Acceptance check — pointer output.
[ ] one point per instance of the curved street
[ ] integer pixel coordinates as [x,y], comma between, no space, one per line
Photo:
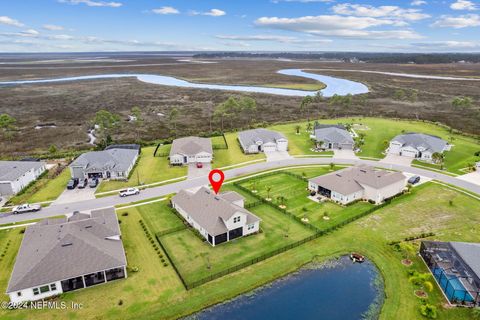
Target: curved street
[55,210]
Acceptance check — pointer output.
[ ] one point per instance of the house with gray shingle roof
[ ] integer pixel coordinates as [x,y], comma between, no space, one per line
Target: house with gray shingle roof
[218,217]
[62,255]
[333,137]
[358,183]
[191,150]
[114,164]
[16,175]
[417,145]
[262,140]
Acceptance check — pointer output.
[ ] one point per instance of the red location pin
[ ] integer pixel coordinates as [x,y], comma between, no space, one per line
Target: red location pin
[216,178]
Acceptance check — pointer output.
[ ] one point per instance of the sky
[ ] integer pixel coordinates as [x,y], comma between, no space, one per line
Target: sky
[247,25]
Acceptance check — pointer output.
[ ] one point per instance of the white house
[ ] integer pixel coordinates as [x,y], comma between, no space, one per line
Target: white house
[417,145]
[191,150]
[62,255]
[16,175]
[359,183]
[333,137]
[218,218]
[262,140]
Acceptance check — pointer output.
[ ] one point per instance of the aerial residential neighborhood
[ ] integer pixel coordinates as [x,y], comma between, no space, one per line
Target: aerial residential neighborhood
[267,159]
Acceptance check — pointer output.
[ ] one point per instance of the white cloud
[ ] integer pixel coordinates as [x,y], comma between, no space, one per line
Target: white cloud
[339,26]
[447,45]
[92,3]
[52,27]
[463,5]
[166,10]
[61,37]
[418,3]
[274,38]
[458,22]
[11,22]
[392,12]
[212,12]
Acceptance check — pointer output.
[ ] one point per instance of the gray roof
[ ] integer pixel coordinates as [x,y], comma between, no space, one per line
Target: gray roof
[191,146]
[12,170]
[210,210]
[112,159]
[251,137]
[124,146]
[333,134]
[350,180]
[323,126]
[59,249]
[470,253]
[426,141]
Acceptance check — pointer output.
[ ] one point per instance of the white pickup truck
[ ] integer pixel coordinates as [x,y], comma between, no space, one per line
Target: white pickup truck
[24,208]
[129,192]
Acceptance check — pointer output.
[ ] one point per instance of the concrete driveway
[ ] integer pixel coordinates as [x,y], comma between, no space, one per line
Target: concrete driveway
[194,172]
[70,196]
[344,154]
[277,155]
[473,177]
[396,159]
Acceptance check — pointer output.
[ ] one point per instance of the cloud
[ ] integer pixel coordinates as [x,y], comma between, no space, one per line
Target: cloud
[447,45]
[302,1]
[391,12]
[11,22]
[458,22]
[52,27]
[463,5]
[166,10]
[92,3]
[339,26]
[212,13]
[274,38]
[418,3]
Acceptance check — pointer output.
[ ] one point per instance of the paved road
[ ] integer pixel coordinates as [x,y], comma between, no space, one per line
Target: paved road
[87,205]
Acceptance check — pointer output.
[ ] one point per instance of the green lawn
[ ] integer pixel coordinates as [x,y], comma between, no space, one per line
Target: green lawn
[232,155]
[149,169]
[44,189]
[158,216]
[197,259]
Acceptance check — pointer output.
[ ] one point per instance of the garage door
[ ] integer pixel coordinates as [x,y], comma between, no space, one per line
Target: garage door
[408,153]
[282,146]
[269,148]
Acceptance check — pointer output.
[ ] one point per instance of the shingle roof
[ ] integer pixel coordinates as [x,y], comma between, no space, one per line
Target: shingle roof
[112,159]
[426,141]
[12,170]
[470,253]
[350,180]
[250,137]
[59,249]
[210,210]
[333,134]
[191,146]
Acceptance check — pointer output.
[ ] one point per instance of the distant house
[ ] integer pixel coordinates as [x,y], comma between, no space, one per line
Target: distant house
[218,218]
[16,175]
[191,150]
[62,255]
[262,140]
[333,137]
[114,164]
[456,269]
[477,166]
[358,183]
[417,145]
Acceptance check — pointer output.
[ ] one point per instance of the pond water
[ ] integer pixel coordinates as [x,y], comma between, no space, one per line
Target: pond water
[333,85]
[340,290]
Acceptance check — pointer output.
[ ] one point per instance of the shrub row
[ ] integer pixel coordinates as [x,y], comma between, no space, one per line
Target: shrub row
[5,249]
[153,243]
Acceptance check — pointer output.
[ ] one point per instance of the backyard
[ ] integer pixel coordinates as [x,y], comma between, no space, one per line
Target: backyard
[234,154]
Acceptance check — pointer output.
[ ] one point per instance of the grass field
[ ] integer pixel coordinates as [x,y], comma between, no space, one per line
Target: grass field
[232,155]
[149,169]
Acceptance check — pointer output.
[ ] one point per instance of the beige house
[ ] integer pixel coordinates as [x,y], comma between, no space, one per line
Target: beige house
[359,183]
[191,150]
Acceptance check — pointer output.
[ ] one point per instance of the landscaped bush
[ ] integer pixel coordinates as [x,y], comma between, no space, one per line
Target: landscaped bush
[428,311]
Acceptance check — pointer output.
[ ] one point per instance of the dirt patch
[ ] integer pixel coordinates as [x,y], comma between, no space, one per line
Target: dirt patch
[407,262]
[420,294]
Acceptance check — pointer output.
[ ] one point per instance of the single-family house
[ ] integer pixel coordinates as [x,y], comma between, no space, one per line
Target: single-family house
[191,150]
[359,183]
[417,145]
[114,164]
[332,137]
[218,217]
[16,175]
[262,140]
[62,255]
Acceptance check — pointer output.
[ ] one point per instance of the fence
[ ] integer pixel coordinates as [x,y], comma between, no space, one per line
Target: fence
[171,261]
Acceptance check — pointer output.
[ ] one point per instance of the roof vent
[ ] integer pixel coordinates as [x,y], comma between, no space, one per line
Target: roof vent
[67,244]
[217,198]
[88,227]
[364,171]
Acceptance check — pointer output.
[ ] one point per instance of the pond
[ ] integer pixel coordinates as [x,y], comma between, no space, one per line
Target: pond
[333,85]
[338,290]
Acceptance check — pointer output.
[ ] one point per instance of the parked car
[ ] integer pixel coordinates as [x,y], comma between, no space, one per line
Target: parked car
[199,165]
[414,180]
[129,192]
[93,183]
[83,184]
[72,184]
[24,208]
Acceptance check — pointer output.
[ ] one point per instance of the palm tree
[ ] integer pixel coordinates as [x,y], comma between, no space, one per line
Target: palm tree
[297,128]
[172,116]
[281,200]
[306,101]
[268,188]
[438,158]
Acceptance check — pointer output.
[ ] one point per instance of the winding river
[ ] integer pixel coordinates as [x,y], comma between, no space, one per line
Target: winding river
[333,85]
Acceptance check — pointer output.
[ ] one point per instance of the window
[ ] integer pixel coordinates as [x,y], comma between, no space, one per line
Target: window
[250,227]
[53,287]
[44,289]
[236,219]
[35,291]
[19,293]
